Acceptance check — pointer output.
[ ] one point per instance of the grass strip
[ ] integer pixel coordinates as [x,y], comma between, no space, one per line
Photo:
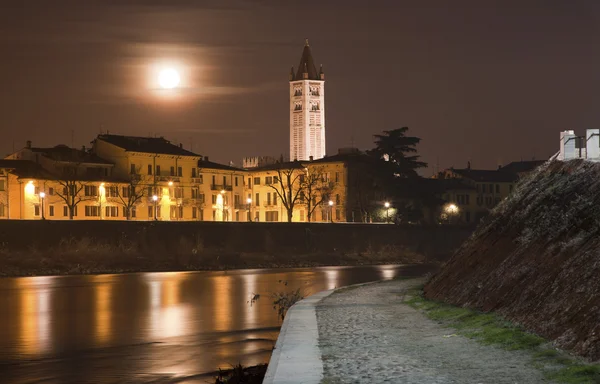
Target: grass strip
[491,329]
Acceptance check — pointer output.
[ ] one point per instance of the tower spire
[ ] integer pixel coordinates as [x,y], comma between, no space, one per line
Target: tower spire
[306,42]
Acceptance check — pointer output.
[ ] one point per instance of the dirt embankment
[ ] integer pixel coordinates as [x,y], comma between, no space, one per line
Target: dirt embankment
[536,258]
[63,247]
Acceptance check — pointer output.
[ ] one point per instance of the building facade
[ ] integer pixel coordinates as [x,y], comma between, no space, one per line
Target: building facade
[307,109]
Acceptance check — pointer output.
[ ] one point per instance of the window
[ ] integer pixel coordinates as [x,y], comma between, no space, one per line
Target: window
[91,190]
[201,197]
[497,188]
[36,210]
[482,188]
[257,181]
[467,200]
[132,170]
[111,211]
[2,186]
[337,177]
[214,199]
[180,209]
[249,182]
[274,198]
[237,216]
[491,188]
[126,192]
[224,180]
[268,198]
[2,210]
[178,193]
[275,179]
[37,190]
[172,171]
[92,211]
[50,210]
[158,212]
[193,172]
[337,199]
[302,178]
[268,180]
[194,193]
[133,212]
[200,179]
[149,191]
[51,191]
[150,169]
[272,216]
[194,212]
[201,214]
[158,170]
[112,191]
[214,215]
[337,214]
[65,211]
[236,181]
[179,171]
[214,179]
[236,200]
[150,209]
[173,212]
[257,199]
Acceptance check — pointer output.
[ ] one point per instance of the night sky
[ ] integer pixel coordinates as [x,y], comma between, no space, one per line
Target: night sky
[485,81]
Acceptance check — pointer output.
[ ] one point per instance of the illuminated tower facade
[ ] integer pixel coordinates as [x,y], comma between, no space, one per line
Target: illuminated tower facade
[307,109]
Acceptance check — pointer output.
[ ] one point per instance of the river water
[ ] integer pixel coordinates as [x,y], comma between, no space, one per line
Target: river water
[151,327]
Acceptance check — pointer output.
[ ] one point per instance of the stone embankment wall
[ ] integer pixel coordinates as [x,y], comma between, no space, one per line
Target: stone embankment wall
[536,258]
[33,247]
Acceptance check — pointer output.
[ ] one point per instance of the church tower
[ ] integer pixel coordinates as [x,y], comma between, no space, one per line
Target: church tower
[307,109]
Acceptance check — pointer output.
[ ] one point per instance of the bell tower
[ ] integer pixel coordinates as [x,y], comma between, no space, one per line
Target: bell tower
[307,109]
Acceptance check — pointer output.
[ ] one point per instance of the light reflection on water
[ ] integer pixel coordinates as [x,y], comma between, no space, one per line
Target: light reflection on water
[168,324]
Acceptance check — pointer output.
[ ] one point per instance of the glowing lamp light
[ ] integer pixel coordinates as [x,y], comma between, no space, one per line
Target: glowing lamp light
[387,204]
[222,192]
[30,188]
[330,203]
[170,183]
[42,194]
[451,208]
[155,198]
[248,200]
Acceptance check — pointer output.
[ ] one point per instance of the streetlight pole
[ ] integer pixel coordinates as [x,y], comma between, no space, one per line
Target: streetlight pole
[42,197]
[155,199]
[331,210]
[223,205]
[387,212]
[249,201]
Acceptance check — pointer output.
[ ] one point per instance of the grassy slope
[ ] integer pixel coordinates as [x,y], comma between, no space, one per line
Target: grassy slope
[490,329]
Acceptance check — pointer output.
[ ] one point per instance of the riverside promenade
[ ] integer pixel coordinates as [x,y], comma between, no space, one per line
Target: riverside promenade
[367,334]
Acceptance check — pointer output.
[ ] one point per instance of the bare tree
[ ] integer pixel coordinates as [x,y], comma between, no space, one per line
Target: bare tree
[289,186]
[71,188]
[132,194]
[316,189]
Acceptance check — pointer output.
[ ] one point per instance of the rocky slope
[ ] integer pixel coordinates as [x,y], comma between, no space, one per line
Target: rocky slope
[536,258]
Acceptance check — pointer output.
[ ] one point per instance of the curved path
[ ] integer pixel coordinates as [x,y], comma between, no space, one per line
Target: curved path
[368,335]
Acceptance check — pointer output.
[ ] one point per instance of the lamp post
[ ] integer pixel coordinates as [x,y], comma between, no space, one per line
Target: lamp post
[42,197]
[223,205]
[387,211]
[249,201]
[155,199]
[331,210]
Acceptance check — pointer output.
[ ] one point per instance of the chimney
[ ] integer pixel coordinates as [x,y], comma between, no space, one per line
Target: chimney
[83,148]
[180,145]
[310,158]
[468,165]
[28,144]
[205,158]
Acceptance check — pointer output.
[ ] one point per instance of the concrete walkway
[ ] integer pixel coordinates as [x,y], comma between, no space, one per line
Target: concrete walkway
[368,335]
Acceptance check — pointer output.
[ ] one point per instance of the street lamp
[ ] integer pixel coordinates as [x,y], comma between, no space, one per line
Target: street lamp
[42,196]
[451,210]
[387,211]
[331,210]
[249,201]
[155,199]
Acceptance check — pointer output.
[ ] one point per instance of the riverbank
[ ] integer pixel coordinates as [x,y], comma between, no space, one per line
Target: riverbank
[398,336]
[30,248]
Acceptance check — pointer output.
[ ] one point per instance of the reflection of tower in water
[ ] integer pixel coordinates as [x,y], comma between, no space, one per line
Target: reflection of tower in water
[103,315]
[168,317]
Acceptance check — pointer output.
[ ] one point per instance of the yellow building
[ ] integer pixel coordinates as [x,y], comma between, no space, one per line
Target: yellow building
[146,178]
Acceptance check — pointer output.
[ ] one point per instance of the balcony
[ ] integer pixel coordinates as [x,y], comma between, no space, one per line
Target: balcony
[174,179]
[197,180]
[240,205]
[221,187]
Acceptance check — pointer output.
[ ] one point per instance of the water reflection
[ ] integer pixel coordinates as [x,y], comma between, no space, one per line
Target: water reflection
[134,325]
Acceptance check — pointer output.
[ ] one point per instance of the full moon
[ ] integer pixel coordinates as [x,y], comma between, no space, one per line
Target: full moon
[168,78]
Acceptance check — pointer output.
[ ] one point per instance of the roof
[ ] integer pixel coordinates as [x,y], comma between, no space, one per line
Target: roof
[522,166]
[484,175]
[25,169]
[307,64]
[157,145]
[64,153]
[212,165]
[279,165]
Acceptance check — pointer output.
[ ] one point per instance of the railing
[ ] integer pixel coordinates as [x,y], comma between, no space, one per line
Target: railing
[197,180]
[175,179]
[240,205]
[221,187]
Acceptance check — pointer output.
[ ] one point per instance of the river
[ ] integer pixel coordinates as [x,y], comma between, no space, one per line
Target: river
[151,327]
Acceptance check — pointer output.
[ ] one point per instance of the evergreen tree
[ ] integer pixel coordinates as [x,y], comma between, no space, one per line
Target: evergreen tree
[398,153]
